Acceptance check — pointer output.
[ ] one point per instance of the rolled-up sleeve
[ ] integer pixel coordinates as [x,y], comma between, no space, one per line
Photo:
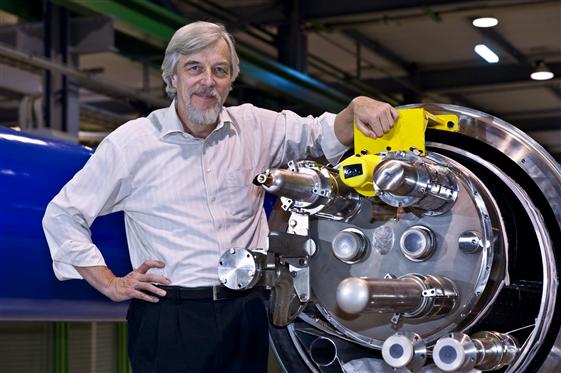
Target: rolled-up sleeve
[99,188]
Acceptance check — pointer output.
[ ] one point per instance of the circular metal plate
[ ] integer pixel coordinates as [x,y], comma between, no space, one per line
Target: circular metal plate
[469,271]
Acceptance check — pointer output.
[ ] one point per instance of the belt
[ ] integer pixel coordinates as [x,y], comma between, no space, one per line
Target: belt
[217,292]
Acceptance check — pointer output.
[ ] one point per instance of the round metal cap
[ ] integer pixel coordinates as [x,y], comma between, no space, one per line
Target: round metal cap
[237,269]
[397,351]
[417,243]
[349,245]
[449,354]
[352,295]
[470,242]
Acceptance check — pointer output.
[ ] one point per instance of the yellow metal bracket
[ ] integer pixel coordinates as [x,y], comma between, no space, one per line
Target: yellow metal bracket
[407,134]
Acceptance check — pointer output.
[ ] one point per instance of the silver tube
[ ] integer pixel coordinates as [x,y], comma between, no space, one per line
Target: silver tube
[412,295]
[397,177]
[495,350]
[294,185]
[356,295]
[408,180]
[405,350]
[484,350]
[323,351]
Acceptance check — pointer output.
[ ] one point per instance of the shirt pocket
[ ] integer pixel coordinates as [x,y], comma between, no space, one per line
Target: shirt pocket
[239,196]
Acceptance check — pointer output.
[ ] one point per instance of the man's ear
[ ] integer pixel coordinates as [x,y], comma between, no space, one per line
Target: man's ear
[174,80]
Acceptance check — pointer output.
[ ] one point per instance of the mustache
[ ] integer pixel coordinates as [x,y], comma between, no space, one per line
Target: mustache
[207,91]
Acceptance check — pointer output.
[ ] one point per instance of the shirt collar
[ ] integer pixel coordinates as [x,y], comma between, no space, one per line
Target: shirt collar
[172,124]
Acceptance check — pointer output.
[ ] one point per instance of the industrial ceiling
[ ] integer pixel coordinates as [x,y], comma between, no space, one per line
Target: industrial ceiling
[307,55]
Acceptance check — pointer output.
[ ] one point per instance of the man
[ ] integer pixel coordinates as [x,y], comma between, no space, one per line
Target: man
[183,178]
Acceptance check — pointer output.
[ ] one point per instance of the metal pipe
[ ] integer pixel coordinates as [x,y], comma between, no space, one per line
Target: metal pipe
[355,295]
[297,186]
[93,83]
[412,295]
[405,350]
[408,180]
[484,350]
[323,351]
[397,177]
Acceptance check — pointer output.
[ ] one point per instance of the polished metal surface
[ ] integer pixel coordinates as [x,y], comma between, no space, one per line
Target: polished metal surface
[417,243]
[409,180]
[294,185]
[470,242]
[469,212]
[550,281]
[495,350]
[238,269]
[484,350]
[350,245]
[323,352]
[405,350]
[411,295]
[311,189]
[491,199]
[454,353]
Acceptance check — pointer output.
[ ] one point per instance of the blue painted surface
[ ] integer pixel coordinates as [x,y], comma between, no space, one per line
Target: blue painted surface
[32,171]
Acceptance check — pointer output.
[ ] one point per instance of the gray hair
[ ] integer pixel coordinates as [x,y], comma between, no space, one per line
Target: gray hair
[191,39]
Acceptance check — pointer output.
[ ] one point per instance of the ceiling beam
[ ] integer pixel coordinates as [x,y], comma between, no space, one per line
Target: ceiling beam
[85,80]
[379,49]
[505,45]
[271,14]
[463,78]
[322,9]
[147,20]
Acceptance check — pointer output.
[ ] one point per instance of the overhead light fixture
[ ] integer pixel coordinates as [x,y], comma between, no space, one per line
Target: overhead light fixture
[542,72]
[486,53]
[485,22]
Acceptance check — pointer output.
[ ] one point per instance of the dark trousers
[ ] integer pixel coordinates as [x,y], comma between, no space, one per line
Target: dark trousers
[177,335]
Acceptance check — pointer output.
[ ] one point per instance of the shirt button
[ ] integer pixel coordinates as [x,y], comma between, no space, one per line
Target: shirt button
[212,199]
[208,170]
[219,226]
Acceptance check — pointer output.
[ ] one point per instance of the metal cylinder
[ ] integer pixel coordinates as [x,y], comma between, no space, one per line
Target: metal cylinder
[355,295]
[297,186]
[311,189]
[484,351]
[496,350]
[405,350]
[33,169]
[454,353]
[397,177]
[407,180]
[412,295]
[238,269]
[323,351]
[470,242]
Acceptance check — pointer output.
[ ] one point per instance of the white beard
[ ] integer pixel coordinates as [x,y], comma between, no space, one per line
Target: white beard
[207,117]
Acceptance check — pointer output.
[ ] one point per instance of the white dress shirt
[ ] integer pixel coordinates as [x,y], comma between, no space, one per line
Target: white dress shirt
[186,200]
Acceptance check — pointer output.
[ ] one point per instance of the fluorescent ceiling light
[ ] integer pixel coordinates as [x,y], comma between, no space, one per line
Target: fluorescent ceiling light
[485,22]
[486,53]
[541,72]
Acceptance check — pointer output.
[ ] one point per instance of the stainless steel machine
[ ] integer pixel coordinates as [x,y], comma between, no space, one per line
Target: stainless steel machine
[437,253]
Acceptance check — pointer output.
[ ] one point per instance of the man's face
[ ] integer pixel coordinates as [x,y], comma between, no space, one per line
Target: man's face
[202,81]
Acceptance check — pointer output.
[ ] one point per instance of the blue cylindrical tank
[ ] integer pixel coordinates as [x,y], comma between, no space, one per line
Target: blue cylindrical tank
[32,171]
